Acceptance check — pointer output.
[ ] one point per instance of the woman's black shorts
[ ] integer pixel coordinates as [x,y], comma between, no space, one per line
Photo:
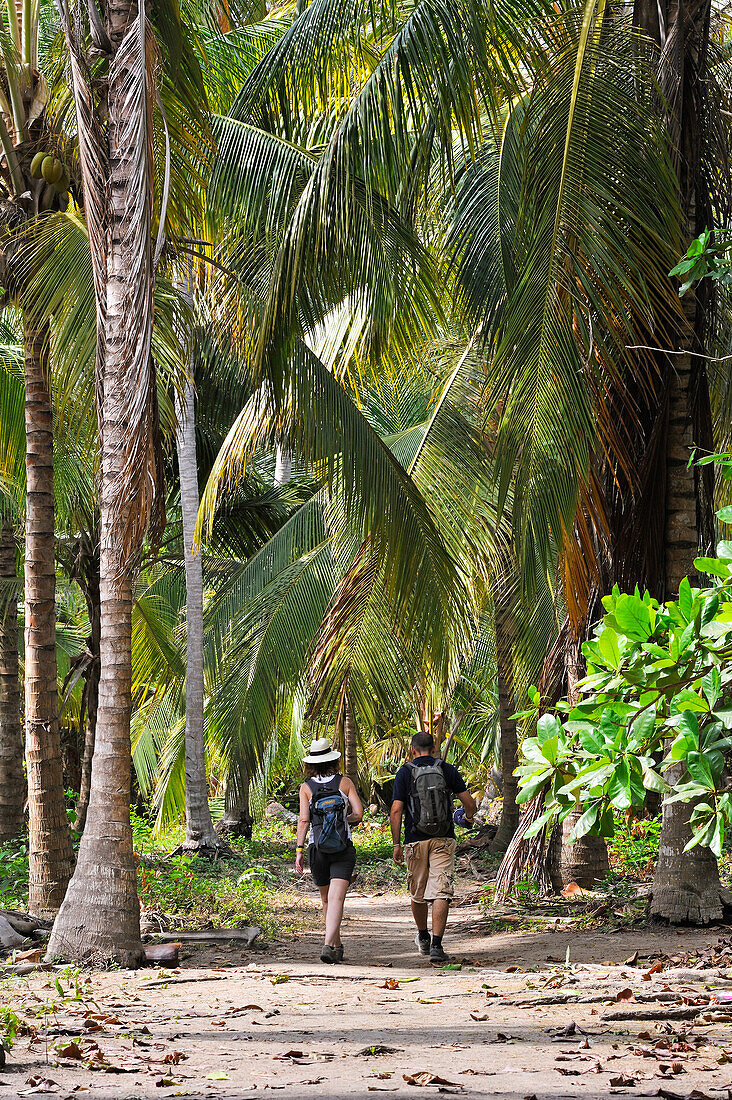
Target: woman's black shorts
[325,866]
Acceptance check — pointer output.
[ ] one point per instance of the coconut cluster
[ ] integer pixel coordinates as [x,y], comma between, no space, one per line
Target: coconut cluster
[49,168]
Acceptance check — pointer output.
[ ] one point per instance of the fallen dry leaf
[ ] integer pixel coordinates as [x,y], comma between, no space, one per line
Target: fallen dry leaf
[623,1080]
[72,1050]
[625,995]
[426,1078]
[390,983]
[40,1084]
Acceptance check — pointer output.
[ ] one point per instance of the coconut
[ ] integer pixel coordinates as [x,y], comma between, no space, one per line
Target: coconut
[52,169]
[35,168]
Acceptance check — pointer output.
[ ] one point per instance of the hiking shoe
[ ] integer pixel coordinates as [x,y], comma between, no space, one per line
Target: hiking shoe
[423,946]
[339,953]
[329,954]
[437,954]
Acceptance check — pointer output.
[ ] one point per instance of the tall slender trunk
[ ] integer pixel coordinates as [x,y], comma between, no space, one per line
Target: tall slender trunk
[509,734]
[350,741]
[237,820]
[50,853]
[100,917]
[199,826]
[12,780]
[283,464]
[90,585]
[685,885]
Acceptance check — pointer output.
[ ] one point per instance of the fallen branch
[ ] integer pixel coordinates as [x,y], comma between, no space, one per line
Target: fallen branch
[683,1012]
[210,935]
[588,999]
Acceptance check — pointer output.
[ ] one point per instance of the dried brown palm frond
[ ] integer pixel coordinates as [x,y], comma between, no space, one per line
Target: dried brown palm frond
[524,856]
[119,226]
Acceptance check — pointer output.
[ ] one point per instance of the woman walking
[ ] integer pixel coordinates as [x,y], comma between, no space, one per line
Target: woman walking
[329,805]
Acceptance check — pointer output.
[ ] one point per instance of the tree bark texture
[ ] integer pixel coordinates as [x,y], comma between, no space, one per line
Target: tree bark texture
[686,886]
[89,581]
[49,841]
[509,735]
[100,917]
[350,742]
[584,862]
[12,780]
[199,826]
[237,820]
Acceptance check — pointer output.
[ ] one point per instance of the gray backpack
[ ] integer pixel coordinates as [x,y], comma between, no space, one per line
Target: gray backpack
[430,800]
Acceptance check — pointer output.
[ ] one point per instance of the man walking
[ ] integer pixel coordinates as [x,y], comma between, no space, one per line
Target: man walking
[424,789]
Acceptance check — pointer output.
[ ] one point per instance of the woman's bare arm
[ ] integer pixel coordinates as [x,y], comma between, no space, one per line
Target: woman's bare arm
[348,787]
[304,819]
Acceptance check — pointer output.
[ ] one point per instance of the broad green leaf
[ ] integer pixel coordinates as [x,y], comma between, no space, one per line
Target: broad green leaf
[618,789]
[547,726]
[714,566]
[652,781]
[633,618]
[700,770]
[608,645]
[585,823]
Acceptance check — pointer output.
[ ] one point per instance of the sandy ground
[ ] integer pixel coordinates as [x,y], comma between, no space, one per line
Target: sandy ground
[234,1025]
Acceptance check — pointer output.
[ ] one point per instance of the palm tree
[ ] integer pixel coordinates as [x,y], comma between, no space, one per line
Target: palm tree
[200,833]
[100,914]
[12,780]
[686,885]
[26,134]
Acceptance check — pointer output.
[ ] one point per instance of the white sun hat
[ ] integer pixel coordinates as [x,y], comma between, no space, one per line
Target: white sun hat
[321,752]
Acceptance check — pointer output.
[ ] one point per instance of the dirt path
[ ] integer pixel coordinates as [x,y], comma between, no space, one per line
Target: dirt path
[227,1026]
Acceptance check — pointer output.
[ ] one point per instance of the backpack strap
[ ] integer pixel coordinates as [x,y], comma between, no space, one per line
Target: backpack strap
[333,784]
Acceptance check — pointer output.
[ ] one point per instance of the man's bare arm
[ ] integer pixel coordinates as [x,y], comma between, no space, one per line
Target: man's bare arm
[469,805]
[395,820]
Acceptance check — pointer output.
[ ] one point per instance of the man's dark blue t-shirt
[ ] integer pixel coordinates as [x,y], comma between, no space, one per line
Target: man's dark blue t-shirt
[403,791]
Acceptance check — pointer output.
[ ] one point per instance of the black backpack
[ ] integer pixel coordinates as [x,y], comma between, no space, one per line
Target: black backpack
[430,800]
[328,816]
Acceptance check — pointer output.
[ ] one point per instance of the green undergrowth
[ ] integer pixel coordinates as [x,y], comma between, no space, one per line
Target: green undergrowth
[255,885]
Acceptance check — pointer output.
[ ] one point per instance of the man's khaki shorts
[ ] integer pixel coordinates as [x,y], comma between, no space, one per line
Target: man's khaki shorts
[431,868]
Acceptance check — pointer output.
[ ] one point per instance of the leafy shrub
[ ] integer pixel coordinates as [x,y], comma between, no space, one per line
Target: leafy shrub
[657,696]
[633,849]
[14,874]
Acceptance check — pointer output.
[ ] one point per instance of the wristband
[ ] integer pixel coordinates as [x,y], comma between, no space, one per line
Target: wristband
[299,850]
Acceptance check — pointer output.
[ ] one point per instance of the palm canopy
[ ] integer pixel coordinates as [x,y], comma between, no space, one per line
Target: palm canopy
[544,154]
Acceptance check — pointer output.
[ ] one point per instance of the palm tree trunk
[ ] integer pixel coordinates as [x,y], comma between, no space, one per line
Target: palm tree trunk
[90,584]
[584,862]
[12,780]
[237,820]
[199,826]
[350,742]
[283,464]
[100,917]
[685,885]
[509,735]
[50,853]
